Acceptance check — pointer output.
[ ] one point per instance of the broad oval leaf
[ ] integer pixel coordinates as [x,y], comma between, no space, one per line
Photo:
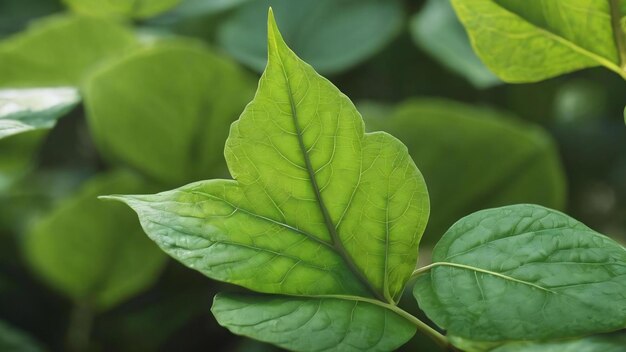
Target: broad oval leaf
[329,324]
[121,8]
[453,144]
[317,205]
[23,110]
[330,35]
[437,30]
[59,50]
[531,40]
[93,251]
[158,110]
[524,272]
[608,343]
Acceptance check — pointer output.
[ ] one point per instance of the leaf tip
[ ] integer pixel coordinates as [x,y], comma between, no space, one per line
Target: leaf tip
[114,198]
[274,38]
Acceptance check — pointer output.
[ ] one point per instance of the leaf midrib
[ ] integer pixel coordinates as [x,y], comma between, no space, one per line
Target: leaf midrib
[618,33]
[337,244]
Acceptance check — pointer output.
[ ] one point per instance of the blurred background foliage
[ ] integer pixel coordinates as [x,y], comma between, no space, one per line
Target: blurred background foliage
[160,82]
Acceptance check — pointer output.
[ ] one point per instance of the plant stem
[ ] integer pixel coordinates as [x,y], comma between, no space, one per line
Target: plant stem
[79,329]
[440,339]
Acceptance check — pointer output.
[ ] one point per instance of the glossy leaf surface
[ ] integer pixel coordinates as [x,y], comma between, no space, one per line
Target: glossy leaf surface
[23,110]
[330,35]
[524,272]
[94,251]
[329,324]
[57,51]
[158,110]
[453,144]
[527,41]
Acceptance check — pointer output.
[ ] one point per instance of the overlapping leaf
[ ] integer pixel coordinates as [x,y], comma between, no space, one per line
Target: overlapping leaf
[317,207]
[527,41]
[524,272]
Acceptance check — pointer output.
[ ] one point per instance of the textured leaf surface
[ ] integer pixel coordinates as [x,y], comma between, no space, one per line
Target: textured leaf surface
[121,8]
[57,51]
[527,41]
[437,30]
[158,110]
[23,110]
[94,251]
[317,206]
[524,272]
[313,324]
[453,143]
[615,343]
[330,35]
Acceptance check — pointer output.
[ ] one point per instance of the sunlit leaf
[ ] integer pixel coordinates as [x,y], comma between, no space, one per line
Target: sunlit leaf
[330,35]
[524,272]
[93,251]
[121,8]
[531,40]
[23,110]
[166,109]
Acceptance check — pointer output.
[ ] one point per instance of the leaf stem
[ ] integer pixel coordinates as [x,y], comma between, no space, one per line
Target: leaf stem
[79,330]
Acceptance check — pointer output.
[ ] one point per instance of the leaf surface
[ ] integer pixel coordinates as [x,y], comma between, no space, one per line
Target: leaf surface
[329,324]
[14,340]
[528,41]
[158,110]
[94,251]
[121,8]
[23,110]
[330,35]
[607,343]
[524,272]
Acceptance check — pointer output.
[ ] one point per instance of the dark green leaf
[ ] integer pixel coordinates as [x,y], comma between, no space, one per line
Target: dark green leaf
[524,272]
[615,343]
[13,340]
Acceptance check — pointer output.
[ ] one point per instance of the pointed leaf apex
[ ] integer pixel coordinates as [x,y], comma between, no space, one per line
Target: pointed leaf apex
[274,38]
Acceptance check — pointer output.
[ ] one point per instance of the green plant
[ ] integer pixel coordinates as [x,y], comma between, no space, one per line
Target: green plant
[323,221]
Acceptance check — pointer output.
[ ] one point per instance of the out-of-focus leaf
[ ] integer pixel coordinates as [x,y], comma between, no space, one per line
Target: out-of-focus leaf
[313,324]
[121,8]
[57,51]
[196,8]
[524,272]
[330,35]
[453,145]
[14,15]
[16,156]
[23,110]
[608,343]
[165,110]
[13,340]
[94,251]
[437,30]
[531,40]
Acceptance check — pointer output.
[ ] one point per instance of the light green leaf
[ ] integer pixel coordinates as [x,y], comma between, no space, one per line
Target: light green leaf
[13,340]
[349,208]
[121,8]
[608,343]
[317,207]
[166,109]
[328,324]
[524,272]
[330,35]
[437,30]
[453,144]
[93,251]
[57,51]
[23,110]
[531,40]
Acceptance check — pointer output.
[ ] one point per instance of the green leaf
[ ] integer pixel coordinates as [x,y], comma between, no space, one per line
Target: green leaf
[13,340]
[524,272]
[608,343]
[447,139]
[437,30]
[329,324]
[330,35]
[94,251]
[14,15]
[317,207]
[58,50]
[121,8]
[17,154]
[528,41]
[197,8]
[23,110]
[158,110]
